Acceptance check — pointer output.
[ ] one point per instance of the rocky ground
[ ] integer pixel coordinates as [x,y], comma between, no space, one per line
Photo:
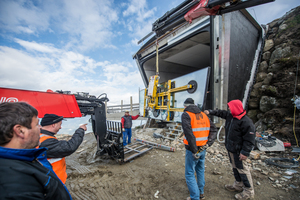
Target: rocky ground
[162,172]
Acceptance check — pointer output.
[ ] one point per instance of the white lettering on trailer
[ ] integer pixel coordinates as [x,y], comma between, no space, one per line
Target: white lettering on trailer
[9,99]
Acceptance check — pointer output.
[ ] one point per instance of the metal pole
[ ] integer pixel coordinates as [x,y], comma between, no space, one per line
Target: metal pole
[157,145]
[121,105]
[131,105]
[157,71]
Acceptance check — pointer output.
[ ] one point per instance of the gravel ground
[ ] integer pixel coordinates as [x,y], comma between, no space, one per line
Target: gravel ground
[162,172]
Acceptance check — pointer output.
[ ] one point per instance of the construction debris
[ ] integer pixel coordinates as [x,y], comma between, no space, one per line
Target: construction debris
[254,155]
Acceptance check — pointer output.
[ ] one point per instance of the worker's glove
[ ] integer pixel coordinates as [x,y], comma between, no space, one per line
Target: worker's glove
[196,156]
[123,129]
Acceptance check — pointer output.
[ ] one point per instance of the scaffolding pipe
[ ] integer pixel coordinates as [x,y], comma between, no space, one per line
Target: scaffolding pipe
[163,147]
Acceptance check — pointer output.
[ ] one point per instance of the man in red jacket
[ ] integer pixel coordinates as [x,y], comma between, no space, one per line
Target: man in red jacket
[126,121]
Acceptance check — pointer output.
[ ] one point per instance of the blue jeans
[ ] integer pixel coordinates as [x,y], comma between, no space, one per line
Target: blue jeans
[191,165]
[126,134]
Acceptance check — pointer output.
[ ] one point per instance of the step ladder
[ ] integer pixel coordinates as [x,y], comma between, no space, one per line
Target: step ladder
[174,131]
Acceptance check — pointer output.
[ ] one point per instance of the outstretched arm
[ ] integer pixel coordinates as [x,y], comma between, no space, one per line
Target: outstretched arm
[63,148]
[219,113]
[135,117]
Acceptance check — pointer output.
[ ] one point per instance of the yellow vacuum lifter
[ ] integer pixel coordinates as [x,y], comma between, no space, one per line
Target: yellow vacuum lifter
[160,97]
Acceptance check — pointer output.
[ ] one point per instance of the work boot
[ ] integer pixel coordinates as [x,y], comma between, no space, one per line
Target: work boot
[201,197]
[235,187]
[248,193]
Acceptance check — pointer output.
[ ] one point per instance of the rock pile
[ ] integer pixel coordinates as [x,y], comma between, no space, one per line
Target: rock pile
[270,104]
[280,178]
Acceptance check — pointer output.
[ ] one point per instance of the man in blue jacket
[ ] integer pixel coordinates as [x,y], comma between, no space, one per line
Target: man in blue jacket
[25,172]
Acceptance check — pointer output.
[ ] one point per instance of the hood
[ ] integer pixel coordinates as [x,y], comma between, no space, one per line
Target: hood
[47,132]
[236,108]
[192,109]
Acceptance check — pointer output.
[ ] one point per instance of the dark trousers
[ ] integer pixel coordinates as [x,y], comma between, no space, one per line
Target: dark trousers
[240,170]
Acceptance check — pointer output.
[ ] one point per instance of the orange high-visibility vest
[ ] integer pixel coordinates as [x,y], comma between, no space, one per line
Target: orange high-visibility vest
[58,164]
[200,127]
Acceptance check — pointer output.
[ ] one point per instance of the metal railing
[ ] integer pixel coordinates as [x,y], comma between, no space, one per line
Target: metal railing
[122,108]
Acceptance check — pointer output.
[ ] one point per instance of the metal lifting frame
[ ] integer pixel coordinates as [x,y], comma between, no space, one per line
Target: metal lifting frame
[153,100]
[133,150]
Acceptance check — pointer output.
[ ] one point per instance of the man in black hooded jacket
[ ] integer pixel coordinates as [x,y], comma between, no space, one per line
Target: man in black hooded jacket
[239,141]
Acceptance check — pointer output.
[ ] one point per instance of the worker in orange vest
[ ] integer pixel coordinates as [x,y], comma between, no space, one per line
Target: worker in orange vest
[59,149]
[199,133]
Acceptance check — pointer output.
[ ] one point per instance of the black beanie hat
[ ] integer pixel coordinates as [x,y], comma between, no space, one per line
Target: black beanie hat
[188,101]
[49,119]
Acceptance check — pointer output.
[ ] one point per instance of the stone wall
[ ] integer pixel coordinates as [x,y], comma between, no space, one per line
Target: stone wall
[270,105]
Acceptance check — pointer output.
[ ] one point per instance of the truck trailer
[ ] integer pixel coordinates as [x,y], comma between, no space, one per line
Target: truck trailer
[219,51]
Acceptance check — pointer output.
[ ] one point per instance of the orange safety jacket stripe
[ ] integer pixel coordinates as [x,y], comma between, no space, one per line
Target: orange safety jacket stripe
[58,164]
[200,126]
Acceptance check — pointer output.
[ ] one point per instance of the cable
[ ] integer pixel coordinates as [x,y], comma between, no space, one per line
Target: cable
[294,126]
[294,101]
[101,95]
[296,74]
[218,134]
[103,98]
[272,161]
